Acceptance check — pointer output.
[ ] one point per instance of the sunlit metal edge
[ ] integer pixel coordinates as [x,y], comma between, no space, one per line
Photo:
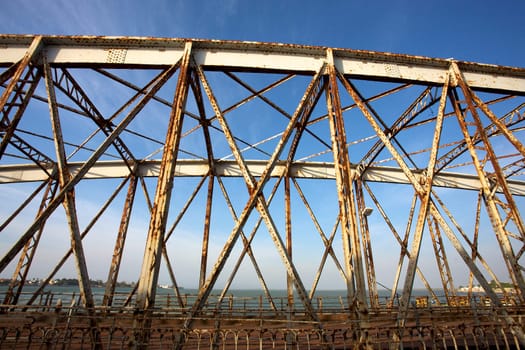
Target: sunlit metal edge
[128,52]
[15,173]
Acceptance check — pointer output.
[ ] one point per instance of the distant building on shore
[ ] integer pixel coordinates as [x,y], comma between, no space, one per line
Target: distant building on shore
[475,289]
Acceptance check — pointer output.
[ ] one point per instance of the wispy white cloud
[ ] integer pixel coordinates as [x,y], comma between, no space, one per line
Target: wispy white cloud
[96,17]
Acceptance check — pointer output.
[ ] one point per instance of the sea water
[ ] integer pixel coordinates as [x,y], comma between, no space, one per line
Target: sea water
[232,299]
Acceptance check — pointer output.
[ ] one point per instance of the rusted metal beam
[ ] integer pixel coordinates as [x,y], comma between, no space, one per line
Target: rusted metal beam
[69,198]
[111,281]
[206,231]
[26,257]
[216,54]
[45,282]
[363,213]
[204,123]
[228,168]
[437,215]
[147,285]
[424,197]
[475,236]
[69,86]
[255,199]
[498,172]
[351,244]
[441,260]
[16,105]
[289,240]
[152,88]
[403,243]
[84,283]
[406,89]
[21,65]
[489,197]
[247,247]
[326,241]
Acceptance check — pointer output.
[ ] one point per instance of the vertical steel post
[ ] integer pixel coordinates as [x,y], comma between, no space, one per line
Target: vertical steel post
[64,176]
[288,230]
[489,196]
[147,284]
[256,199]
[206,230]
[424,194]
[152,255]
[475,240]
[403,243]
[69,199]
[367,244]
[114,269]
[148,92]
[422,190]
[204,123]
[441,259]
[351,245]
[472,100]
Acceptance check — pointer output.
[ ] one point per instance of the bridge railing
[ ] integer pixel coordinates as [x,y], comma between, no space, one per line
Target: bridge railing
[436,327]
[249,306]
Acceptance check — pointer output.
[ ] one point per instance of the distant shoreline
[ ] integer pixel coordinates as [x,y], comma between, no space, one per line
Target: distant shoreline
[66,282]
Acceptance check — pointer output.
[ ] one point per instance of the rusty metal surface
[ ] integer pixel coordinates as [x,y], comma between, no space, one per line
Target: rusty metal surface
[377,173]
[469,324]
[218,54]
[113,41]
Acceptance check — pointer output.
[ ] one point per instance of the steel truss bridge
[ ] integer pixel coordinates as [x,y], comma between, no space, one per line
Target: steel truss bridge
[209,163]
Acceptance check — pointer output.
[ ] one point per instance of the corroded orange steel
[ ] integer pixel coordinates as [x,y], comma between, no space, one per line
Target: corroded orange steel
[392,177]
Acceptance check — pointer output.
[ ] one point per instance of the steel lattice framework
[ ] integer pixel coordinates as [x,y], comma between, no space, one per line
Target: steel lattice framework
[382,170]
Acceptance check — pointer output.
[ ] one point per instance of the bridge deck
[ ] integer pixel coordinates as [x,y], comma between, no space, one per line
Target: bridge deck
[466,325]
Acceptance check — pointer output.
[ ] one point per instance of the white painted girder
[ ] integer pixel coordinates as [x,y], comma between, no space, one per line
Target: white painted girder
[124,52]
[229,168]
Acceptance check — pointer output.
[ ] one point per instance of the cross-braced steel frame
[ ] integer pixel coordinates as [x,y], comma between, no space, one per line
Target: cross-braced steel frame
[372,172]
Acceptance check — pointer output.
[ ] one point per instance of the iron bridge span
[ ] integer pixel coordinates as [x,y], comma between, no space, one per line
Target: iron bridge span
[396,180]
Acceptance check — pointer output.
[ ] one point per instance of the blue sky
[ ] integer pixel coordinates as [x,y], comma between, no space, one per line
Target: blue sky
[491,32]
